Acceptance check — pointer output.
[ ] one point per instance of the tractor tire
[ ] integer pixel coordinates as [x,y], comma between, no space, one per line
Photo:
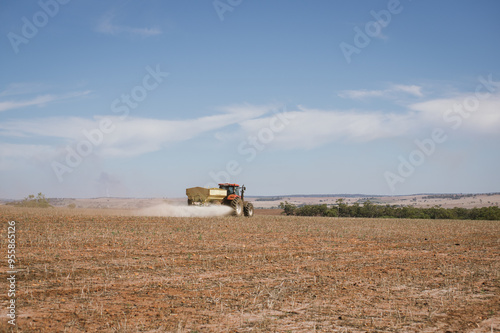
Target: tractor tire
[190,202]
[237,207]
[248,210]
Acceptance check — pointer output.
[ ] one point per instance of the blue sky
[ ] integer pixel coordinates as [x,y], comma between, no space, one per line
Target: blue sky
[146,98]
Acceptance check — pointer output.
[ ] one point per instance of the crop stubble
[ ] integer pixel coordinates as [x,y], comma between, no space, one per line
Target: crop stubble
[106,270]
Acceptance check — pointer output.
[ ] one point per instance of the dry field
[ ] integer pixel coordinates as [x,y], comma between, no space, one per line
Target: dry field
[101,271]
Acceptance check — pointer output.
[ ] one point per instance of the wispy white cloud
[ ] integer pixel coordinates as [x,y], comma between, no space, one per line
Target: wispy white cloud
[311,128]
[40,100]
[307,128]
[130,136]
[392,92]
[360,94]
[54,127]
[412,89]
[107,25]
[454,112]
[23,88]
[136,136]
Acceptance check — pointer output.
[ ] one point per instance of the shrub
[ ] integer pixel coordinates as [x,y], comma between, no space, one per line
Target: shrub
[406,212]
[31,201]
[289,209]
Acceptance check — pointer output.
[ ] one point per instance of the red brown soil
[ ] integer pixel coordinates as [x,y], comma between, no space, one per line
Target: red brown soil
[94,271]
[268,211]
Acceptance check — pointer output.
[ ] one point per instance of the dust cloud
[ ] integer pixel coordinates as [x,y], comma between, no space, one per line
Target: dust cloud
[172,210]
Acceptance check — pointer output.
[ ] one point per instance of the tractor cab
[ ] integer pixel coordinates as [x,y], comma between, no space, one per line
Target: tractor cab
[233,190]
[230,188]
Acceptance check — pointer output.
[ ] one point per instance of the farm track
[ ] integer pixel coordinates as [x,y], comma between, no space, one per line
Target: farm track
[109,271]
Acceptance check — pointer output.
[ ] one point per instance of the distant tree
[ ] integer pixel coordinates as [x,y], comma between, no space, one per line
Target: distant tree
[403,212]
[31,201]
[288,208]
[312,210]
[332,212]
[355,209]
[343,208]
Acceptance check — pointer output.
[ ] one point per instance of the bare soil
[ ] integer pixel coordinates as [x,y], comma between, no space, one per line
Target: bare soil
[109,271]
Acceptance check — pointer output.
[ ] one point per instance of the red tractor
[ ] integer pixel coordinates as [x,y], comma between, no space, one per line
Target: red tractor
[231,195]
[236,200]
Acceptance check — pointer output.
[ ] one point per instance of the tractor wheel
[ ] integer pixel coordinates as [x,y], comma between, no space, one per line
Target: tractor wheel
[248,210]
[237,207]
[190,202]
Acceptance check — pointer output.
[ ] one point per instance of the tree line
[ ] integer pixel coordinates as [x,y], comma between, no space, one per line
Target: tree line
[34,202]
[370,210]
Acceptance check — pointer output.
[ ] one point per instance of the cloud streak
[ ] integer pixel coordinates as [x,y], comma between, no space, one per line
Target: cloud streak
[309,129]
[107,26]
[40,100]
[130,136]
[452,112]
[312,128]
[23,88]
[394,91]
